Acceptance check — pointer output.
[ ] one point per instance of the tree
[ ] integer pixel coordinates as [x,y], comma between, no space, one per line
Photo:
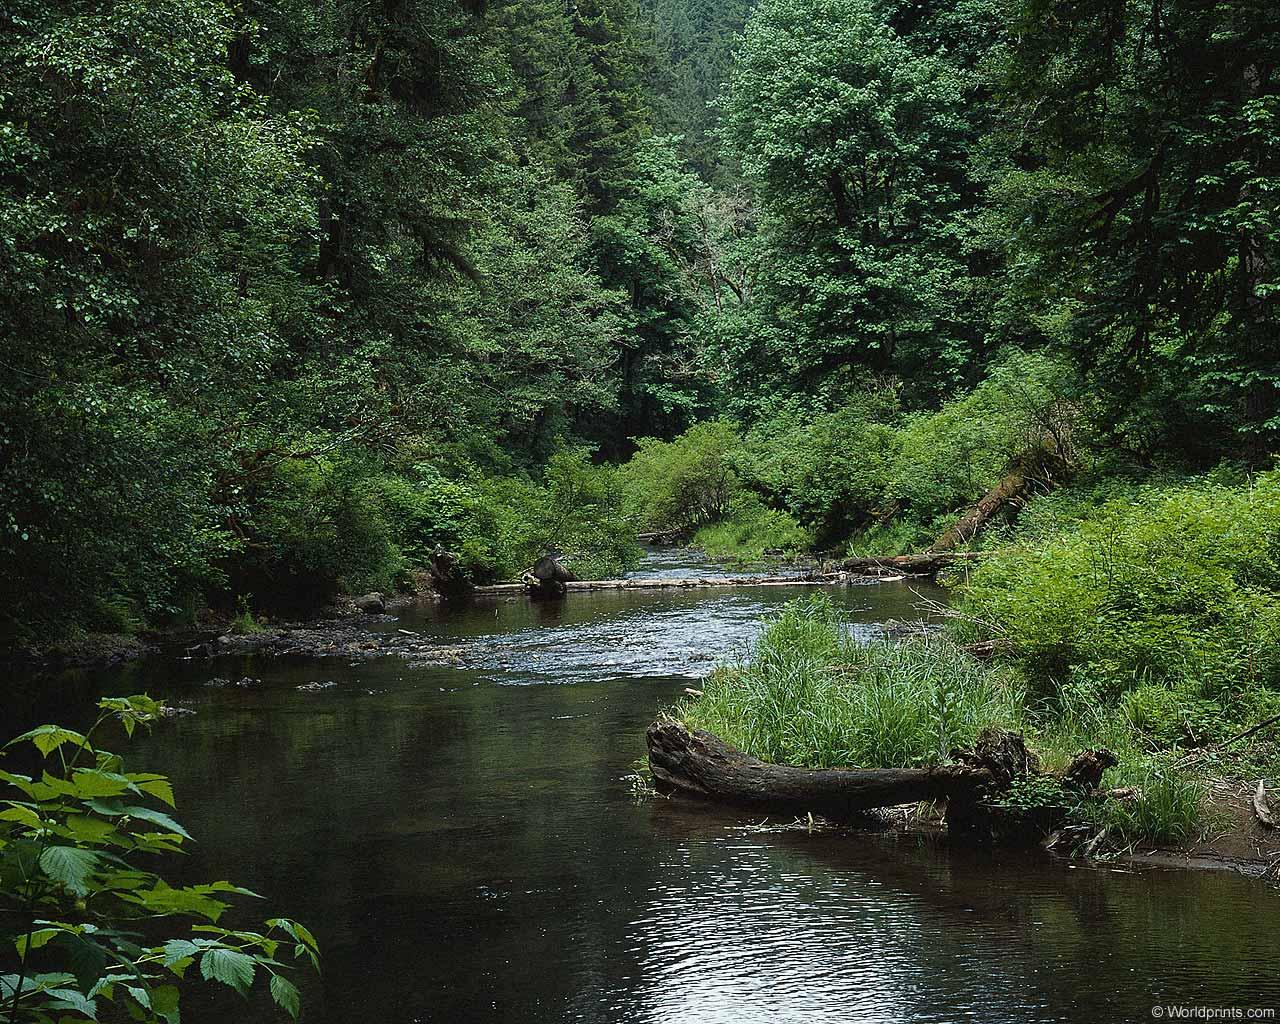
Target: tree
[856,145]
[1138,198]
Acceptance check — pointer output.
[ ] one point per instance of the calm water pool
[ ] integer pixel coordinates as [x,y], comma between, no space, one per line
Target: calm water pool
[464,844]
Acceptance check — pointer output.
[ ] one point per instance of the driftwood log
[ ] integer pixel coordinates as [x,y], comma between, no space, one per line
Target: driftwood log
[548,577]
[927,563]
[701,765]
[698,764]
[839,579]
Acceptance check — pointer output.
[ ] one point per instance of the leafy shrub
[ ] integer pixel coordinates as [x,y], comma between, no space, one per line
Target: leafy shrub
[424,510]
[1174,718]
[1176,588]
[687,482]
[313,528]
[1166,807]
[809,695]
[753,531]
[829,470]
[77,885]
[950,458]
[579,510]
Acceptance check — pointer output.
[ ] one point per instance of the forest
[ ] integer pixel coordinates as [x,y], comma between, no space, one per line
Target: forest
[294,295]
[303,300]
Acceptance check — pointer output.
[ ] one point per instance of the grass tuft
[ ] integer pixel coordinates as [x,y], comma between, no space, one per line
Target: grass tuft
[808,694]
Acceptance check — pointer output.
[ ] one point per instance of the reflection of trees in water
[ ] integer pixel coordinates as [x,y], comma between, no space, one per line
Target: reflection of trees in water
[910,928]
[466,851]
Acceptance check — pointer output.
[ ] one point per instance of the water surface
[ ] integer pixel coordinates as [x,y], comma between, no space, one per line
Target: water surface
[465,845]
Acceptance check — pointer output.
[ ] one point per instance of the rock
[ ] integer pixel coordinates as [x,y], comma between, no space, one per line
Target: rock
[371,604]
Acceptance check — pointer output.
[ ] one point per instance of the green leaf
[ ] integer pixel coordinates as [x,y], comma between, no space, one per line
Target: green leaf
[70,999]
[179,949]
[140,995]
[228,966]
[22,782]
[48,738]
[70,866]
[156,785]
[157,818]
[39,937]
[296,930]
[285,993]
[164,1001]
[90,830]
[22,814]
[91,783]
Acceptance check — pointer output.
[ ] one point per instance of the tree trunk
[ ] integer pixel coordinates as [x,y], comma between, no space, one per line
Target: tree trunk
[1024,473]
[701,765]
[925,564]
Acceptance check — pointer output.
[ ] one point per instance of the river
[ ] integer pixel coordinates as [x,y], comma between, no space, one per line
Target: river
[465,844]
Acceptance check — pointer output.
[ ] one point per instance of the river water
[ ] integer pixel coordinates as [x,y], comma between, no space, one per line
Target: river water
[465,845]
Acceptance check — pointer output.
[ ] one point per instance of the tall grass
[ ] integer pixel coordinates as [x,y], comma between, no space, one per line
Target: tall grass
[808,694]
[1165,804]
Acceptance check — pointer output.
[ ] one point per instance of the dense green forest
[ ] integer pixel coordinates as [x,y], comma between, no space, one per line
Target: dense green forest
[306,299]
[294,294]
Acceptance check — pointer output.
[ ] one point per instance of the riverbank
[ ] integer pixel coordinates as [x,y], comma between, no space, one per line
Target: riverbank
[914,713]
[342,629]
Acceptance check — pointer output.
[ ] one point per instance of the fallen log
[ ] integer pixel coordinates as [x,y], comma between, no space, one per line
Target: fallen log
[663,538]
[1038,468]
[548,577]
[701,765]
[687,583]
[927,563]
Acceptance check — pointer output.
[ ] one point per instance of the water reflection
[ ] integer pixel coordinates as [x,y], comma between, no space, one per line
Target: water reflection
[466,851]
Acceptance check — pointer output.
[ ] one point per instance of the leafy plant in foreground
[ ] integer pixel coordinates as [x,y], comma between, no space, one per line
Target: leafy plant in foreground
[81,924]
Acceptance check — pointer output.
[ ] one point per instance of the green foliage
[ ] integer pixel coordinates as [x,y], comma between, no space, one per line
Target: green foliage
[682,484]
[950,458]
[1173,587]
[1136,165]
[245,623]
[1167,808]
[316,529]
[77,889]
[830,470]
[752,532]
[577,510]
[809,695]
[856,144]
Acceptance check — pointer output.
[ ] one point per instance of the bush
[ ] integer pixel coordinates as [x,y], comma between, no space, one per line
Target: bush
[78,887]
[830,470]
[809,695]
[313,528]
[686,483]
[1166,807]
[1177,588]
[752,532]
[949,459]
[579,510]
